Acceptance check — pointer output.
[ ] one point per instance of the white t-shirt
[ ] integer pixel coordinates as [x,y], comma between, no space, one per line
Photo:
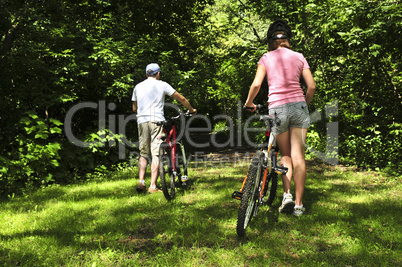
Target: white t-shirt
[150,97]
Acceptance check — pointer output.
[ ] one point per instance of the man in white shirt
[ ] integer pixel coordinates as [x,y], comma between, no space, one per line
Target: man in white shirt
[148,101]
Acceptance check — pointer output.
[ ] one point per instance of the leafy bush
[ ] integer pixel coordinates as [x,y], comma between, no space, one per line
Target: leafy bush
[375,148]
[41,155]
[36,153]
[100,154]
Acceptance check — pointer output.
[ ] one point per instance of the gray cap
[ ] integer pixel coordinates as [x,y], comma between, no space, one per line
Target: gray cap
[152,69]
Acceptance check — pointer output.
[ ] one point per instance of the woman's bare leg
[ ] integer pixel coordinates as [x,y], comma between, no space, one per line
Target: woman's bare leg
[297,152]
[283,141]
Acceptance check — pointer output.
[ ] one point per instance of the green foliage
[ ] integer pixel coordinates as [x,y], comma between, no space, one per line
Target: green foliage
[376,150]
[36,154]
[42,156]
[55,54]
[352,51]
[83,51]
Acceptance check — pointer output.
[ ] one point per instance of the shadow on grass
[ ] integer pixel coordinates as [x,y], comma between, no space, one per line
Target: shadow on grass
[74,219]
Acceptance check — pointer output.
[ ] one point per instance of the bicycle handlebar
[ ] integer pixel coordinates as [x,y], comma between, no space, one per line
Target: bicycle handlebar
[172,119]
[185,114]
[259,108]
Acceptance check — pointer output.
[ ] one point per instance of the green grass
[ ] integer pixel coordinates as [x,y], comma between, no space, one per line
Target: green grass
[354,218]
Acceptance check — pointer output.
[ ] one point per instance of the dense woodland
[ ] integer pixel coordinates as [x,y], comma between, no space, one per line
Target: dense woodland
[56,54]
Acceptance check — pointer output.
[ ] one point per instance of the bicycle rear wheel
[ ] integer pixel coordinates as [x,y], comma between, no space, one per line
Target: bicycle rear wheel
[270,187]
[181,166]
[166,171]
[251,191]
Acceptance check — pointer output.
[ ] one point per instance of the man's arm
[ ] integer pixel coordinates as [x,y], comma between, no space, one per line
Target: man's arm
[135,107]
[176,95]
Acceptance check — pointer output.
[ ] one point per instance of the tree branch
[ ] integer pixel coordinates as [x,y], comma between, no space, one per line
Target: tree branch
[246,21]
[8,40]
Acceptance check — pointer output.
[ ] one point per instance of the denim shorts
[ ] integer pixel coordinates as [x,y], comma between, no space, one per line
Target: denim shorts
[290,115]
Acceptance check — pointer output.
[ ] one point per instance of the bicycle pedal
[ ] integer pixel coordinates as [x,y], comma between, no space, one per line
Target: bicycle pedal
[184,178]
[237,195]
[281,169]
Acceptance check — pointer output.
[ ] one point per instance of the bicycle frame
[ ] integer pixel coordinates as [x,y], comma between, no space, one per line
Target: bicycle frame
[267,147]
[172,143]
[270,150]
[260,184]
[170,138]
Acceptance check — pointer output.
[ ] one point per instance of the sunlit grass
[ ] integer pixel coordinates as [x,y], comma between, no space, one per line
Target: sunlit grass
[353,219]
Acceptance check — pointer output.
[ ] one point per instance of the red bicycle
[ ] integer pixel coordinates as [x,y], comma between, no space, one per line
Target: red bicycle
[172,158]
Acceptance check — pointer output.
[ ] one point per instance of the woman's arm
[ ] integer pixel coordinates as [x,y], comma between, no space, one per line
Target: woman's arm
[309,80]
[255,86]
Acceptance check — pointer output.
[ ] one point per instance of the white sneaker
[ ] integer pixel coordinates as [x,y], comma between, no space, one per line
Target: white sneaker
[287,203]
[298,211]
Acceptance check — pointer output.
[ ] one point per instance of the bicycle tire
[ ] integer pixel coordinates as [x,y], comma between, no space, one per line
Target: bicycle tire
[251,192]
[166,172]
[272,184]
[181,165]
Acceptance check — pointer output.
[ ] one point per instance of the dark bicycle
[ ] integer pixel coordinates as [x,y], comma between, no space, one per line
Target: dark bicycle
[172,158]
[260,184]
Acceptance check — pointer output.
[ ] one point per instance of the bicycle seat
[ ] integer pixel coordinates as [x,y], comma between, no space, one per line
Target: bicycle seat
[162,123]
[267,118]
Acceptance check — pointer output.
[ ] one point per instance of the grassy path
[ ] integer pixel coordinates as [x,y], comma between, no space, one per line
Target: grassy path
[353,218]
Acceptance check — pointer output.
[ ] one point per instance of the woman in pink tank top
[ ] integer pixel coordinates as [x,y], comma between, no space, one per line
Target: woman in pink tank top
[283,68]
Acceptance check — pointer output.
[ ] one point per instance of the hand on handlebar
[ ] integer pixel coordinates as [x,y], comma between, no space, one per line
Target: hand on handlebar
[251,107]
[192,112]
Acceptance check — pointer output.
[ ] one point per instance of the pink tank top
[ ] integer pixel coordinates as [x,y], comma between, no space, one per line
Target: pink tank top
[284,68]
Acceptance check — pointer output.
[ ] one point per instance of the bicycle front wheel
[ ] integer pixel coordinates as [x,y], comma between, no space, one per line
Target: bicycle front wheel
[166,171]
[251,191]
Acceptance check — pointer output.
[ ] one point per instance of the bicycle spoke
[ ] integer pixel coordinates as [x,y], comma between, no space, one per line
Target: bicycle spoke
[166,172]
[251,191]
